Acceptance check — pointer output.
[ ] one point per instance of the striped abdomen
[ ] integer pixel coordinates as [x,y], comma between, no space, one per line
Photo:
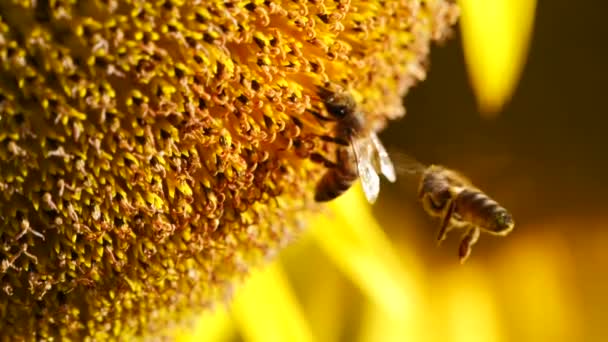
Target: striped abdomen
[480,210]
[339,179]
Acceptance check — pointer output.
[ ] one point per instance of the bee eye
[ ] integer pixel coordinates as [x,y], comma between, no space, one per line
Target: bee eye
[337,111]
[433,205]
[437,205]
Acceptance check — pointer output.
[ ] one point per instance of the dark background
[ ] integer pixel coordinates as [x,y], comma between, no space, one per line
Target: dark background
[546,151]
[544,157]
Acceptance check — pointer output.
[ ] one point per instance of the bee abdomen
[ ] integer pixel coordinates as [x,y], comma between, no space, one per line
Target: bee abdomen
[477,208]
[332,185]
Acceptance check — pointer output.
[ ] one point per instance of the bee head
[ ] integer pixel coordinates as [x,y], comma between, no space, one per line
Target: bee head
[339,104]
[504,222]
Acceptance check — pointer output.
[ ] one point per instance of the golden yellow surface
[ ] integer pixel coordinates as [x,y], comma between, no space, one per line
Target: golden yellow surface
[154,152]
[543,158]
[496,36]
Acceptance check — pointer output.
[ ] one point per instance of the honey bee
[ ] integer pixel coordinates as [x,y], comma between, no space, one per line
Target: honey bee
[359,152]
[447,194]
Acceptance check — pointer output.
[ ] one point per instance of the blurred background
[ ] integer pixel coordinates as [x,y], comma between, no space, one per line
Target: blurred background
[542,155]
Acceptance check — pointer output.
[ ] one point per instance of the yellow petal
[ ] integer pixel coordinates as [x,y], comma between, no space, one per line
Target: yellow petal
[357,245]
[544,306]
[377,326]
[495,35]
[266,310]
[212,326]
[468,305]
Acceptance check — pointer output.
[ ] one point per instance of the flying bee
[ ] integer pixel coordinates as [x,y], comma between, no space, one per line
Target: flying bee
[447,194]
[359,152]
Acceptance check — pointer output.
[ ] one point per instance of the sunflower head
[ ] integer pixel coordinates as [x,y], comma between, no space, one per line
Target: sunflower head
[150,153]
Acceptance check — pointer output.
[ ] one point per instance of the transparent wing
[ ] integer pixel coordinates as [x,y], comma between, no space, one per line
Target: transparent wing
[407,165]
[367,173]
[386,165]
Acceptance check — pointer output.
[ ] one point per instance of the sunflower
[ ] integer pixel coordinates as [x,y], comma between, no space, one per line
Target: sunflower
[346,280]
[152,152]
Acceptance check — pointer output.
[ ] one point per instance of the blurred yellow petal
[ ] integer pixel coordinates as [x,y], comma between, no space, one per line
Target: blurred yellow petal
[214,325]
[377,326]
[327,300]
[266,310]
[496,36]
[468,302]
[538,275]
[357,245]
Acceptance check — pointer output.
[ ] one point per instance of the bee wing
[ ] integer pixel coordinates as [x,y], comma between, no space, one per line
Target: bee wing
[386,165]
[367,173]
[407,165]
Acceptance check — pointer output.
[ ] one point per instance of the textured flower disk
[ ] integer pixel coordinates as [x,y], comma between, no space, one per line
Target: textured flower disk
[151,151]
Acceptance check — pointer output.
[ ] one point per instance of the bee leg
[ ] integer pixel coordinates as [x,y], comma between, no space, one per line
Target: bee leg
[320,117]
[319,158]
[469,238]
[445,223]
[334,140]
